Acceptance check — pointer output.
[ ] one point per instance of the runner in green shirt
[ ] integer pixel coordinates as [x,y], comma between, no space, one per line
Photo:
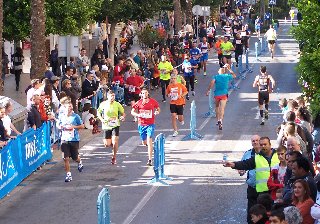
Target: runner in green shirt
[111,112]
[226,48]
[165,68]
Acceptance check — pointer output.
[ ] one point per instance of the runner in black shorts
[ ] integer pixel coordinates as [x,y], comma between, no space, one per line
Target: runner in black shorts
[265,83]
[177,109]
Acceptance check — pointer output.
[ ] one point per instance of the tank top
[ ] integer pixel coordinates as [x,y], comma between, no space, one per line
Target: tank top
[204,48]
[263,82]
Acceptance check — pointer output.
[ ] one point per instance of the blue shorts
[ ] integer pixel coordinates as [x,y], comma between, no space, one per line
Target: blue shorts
[146,131]
[257,28]
[204,57]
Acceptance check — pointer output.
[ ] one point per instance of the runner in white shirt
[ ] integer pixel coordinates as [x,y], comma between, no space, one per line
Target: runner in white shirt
[271,35]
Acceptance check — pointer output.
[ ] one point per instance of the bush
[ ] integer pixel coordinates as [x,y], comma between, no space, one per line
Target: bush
[148,36]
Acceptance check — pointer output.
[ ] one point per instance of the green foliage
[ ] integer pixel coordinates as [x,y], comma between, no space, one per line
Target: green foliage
[150,35]
[308,33]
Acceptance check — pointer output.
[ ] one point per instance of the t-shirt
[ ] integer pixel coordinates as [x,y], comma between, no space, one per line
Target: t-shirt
[238,43]
[226,48]
[174,91]
[221,84]
[146,111]
[188,71]
[165,68]
[7,123]
[194,52]
[134,83]
[73,134]
[217,46]
[109,114]
[271,34]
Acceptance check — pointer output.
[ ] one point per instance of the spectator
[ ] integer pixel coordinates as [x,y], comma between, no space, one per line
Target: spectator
[54,61]
[34,117]
[48,74]
[34,87]
[292,215]
[7,120]
[55,80]
[68,74]
[3,133]
[89,87]
[67,89]
[83,62]
[17,59]
[302,200]
[258,214]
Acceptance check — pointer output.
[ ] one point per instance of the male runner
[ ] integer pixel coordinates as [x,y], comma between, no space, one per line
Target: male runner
[226,49]
[111,112]
[195,53]
[262,81]
[146,109]
[204,47]
[271,35]
[221,82]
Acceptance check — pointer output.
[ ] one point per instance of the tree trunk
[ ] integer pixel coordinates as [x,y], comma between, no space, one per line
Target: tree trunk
[177,16]
[112,39]
[189,12]
[38,39]
[1,42]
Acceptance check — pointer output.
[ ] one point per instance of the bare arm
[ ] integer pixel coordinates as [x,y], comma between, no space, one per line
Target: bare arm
[272,81]
[255,82]
[210,86]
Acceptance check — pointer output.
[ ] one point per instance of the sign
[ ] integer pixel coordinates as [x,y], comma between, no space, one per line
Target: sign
[23,155]
[205,10]
[272,2]
[197,10]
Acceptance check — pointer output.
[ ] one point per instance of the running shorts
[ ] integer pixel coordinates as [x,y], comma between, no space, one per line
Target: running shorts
[263,97]
[146,131]
[108,133]
[176,109]
[70,149]
[222,97]
[204,57]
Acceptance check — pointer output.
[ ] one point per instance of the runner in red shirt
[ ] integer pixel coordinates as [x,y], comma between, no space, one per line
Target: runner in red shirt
[146,109]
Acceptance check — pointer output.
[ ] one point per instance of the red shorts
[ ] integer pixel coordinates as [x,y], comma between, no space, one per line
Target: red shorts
[222,97]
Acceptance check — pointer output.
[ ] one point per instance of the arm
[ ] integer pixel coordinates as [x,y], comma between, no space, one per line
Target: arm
[272,81]
[14,129]
[232,73]
[210,86]
[255,82]
[134,112]
[248,164]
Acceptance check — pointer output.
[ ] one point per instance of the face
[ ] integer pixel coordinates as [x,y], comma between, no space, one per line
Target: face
[298,190]
[255,142]
[9,109]
[2,112]
[175,71]
[36,100]
[255,218]
[265,146]
[225,39]
[83,52]
[68,84]
[293,145]
[90,77]
[69,107]
[111,97]
[275,220]
[281,156]
[173,80]
[144,94]
[290,161]
[204,40]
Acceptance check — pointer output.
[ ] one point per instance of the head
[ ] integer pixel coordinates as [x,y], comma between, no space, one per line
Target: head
[293,144]
[292,105]
[111,96]
[290,116]
[90,76]
[265,145]
[225,39]
[35,83]
[66,84]
[263,69]
[257,212]
[144,93]
[281,152]
[255,143]
[292,215]
[83,52]
[300,167]
[301,191]
[36,99]
[175,71]
[55,80]
[283,103]
[292,157]
[194,44]
[303,114]
[8,107]
[265,200]
[279,193]
[69,71]
[204,40]
[277,217]
[173,79]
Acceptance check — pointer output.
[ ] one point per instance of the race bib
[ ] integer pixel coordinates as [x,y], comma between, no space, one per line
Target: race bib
[174,94]
[204,51]
[132,89]
[67,134]
[163,71]
[113,122]
[243,34]
[145,113]
[238,41]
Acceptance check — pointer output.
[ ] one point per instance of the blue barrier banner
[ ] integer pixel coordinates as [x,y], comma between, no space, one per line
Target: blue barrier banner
[23,155]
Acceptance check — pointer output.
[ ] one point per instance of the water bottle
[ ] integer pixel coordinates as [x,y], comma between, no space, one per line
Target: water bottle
[225,157]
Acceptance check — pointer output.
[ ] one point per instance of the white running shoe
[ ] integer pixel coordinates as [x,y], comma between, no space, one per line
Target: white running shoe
[175,134]
[182,122]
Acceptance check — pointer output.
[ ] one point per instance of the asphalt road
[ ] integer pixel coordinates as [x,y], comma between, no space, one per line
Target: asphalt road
[202,190]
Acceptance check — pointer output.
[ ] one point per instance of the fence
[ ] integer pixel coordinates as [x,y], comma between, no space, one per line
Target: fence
[159,161]
[23,155]
[103,207]
[211,112]
[193,125]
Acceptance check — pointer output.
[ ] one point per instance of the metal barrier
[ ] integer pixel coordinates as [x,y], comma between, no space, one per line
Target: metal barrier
[256,48]
[242,74]
[193,124]
[247,62]
[159,161]
[103,207]
[211,112]
[233,84]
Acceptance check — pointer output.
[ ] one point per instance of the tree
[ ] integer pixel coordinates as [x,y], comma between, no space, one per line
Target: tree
[177,16]
[1,42]
[307,33]
[189,11]
[38,38]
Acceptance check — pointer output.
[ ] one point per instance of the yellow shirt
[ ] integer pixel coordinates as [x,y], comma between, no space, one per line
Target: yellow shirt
[165,68]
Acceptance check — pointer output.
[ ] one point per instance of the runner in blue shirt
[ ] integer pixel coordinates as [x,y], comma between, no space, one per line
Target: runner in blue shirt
[188,67]
[195,54]
[221,82]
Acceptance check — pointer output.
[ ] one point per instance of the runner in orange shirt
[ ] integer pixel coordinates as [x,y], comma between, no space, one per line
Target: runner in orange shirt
[176,91]
[219,52]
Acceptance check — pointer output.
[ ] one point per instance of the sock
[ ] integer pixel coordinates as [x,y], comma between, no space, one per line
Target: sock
[261,113]
[80,163]
[266,106]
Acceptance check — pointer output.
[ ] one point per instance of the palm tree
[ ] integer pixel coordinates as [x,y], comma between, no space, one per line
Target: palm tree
[177,16]
[189,11]
[38,39]
[1,42]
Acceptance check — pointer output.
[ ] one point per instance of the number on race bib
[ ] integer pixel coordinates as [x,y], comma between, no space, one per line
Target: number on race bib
[132,89]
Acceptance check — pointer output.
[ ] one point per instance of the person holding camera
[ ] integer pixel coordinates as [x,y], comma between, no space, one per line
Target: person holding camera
[221,82]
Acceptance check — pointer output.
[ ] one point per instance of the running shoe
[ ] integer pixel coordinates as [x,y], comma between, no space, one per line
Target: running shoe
[149,163]
[193,93]
[164,101]
[182,122]
[262,121]
[135,119]
[195,80]
[205,73]
[175,134]
[266,115]
[113,161]
[80,167]
[220,125]
[187,97]
[68,178]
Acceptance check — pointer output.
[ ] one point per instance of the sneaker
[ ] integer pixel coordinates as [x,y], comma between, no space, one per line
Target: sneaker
[68,178]
[262,121]
[164,101]
[195,80]
[266,115]
[135,119]
[205,73]
[80,167]
[149,163]
[220,125]
[187,97]
[182,122]
[237,65]
[113,161]
[175,134]
[193,93]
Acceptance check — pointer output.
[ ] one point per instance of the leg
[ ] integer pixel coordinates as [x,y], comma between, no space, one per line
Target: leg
[150,147]
[17,74]
[67,164]
[115,146]
[187,78]
[217,104]
[192,82]
[163,88]
[223,104]
[174,121]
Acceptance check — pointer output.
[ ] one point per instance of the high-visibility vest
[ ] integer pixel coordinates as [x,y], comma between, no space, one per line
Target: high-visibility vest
[263,169]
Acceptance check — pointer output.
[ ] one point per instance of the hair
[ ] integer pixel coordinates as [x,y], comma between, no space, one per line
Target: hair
[283,102]
[86,107]
[68,68]
[47,87]
[93,111]
[304,114]
[64,83]
[303,162]
[265,200]
[34,82]
[83,49]
[290,116]
[307,192]
[282,148]
[7,104]
[263,69]
[295,153]
[62,95]
[292,104]
[258,209]
[290,128]
[278,213]
[65,100]
[266,138]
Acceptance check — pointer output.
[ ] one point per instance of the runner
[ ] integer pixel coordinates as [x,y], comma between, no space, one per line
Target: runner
[238,45]
[195,53]
[70,123]
[257,26]
[262,81]
[188,67]
[226,48]
[146,109]
[165,67]
[211,32]
[271,35]
[218,50]
[176,92]
[221,82]
[204,47]
[111,112]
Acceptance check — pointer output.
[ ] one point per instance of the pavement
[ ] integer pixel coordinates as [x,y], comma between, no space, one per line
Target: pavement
[202,190]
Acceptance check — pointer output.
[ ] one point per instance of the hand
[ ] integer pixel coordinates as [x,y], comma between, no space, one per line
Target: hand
[207,93]
[229,164]
[241,172]
[156,112]
[121,118]
[94,92]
